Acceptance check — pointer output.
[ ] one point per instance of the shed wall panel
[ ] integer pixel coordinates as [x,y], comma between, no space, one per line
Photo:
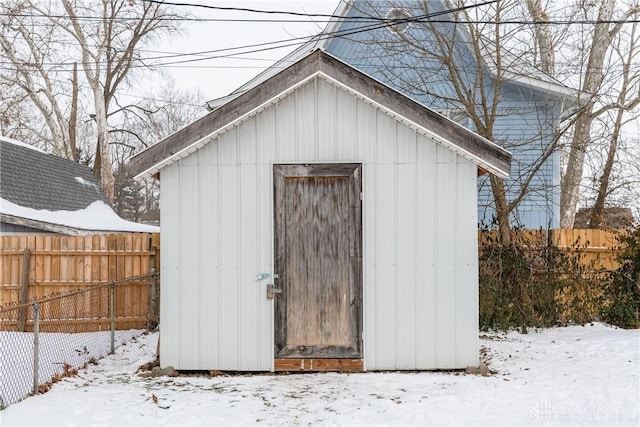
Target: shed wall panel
[407,284]
[346,133]
[305,124]
[170,266]
[328,138]
[366,137]
[467,322]
[190,320]
[264,243]
[266,136]
[446,263]
[286,122]
[247,150]
[385,267]
[426,208]
[249,294]
[228,276]
[369,277]
[209,257]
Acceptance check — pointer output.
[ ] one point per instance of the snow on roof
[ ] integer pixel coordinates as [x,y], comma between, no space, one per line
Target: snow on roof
[20,144]
[85,182]
[98,216]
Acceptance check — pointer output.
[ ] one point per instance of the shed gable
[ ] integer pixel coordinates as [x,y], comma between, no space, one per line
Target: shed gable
[320,121]
[481,151]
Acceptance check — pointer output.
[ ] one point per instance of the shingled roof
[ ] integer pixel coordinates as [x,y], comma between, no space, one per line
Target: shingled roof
[34,179]
[50,193]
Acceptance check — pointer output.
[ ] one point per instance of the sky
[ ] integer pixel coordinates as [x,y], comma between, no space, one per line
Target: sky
[218,77]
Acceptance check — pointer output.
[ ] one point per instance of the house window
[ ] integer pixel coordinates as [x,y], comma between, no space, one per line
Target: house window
[397,20]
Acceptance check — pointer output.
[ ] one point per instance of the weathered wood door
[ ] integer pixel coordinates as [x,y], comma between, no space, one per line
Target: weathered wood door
[318,260]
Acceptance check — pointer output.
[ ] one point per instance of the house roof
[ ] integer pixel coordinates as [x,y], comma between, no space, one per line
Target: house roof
[484,153]
[47,192]
[518,71]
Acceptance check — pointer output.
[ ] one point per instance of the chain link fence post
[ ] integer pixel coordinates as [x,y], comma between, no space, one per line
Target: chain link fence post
[154,298]
[112,305]
[36,347]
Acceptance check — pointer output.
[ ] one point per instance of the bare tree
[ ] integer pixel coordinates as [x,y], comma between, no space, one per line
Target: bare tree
[469,54]
[104,37]
[593,77]
[625,52]
[140,126]
[30,51]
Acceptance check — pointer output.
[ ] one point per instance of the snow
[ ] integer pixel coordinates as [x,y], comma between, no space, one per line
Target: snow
[21,144]
[98,216]
[562,376]
[84,182]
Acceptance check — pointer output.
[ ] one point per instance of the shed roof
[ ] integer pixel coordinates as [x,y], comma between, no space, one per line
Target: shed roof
[481,151]
[51,193]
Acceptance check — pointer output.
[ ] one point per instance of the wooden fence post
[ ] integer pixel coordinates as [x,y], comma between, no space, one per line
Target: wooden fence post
[24,290]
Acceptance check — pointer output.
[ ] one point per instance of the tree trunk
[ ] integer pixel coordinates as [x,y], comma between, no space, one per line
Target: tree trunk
[73,116]
[102,148]
[97,162]
[544,37]
[594,75]
[596,219]
[502,210]
[570,185]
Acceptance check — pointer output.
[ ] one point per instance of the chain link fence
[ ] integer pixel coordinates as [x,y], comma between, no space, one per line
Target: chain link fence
[46,340]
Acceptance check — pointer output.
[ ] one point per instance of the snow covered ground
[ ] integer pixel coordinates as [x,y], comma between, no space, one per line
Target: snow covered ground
[56,350]
[562,376]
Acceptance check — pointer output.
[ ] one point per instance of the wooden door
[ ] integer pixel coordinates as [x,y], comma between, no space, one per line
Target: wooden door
[318,260]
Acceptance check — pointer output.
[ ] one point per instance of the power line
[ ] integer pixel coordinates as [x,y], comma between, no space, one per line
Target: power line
[250,10]
[262,47]
[386,21]
[237,51]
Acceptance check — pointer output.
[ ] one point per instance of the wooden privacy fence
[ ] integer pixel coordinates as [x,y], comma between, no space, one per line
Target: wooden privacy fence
[591,255]
[594,250]
[33,267]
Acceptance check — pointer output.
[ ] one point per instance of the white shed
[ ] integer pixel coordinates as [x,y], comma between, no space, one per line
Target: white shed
[320,221]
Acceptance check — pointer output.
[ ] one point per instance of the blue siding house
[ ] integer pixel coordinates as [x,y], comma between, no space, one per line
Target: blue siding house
[402,54]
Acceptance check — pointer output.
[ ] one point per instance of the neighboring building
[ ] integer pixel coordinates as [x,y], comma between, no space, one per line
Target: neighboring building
[320,221]
[42,193]
[531,102]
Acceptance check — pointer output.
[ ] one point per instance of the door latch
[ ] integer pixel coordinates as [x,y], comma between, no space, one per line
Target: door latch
[272,290]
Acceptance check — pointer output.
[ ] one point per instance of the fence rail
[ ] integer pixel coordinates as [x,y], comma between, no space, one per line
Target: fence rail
[43,340]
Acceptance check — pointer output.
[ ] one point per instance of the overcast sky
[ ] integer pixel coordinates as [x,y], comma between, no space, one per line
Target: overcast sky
[217,77]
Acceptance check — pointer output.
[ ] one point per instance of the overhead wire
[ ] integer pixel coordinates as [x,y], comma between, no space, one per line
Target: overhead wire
[237,52]
[280,44]
[374,18]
